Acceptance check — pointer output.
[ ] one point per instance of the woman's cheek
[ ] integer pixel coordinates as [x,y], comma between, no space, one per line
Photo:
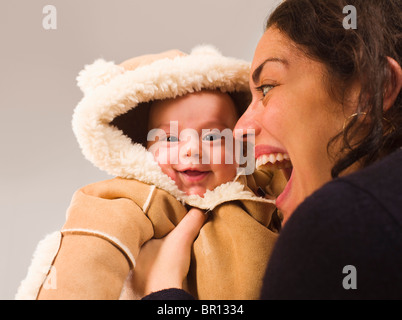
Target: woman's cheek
[275,119]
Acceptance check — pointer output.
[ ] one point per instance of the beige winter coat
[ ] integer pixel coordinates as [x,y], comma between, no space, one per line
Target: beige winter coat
[108,222]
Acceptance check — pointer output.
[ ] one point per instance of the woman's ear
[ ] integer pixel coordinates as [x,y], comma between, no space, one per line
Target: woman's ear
[394,86]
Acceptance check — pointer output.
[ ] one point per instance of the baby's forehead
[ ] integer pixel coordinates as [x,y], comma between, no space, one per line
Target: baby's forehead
[197,124]
[195,110]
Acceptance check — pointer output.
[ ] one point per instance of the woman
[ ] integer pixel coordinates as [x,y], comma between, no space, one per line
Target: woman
[330,98]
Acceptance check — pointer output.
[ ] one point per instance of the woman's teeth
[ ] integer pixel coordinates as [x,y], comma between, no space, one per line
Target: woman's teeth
[276,160]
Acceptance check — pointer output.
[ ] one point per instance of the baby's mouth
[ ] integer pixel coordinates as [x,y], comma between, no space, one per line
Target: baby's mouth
[194,175]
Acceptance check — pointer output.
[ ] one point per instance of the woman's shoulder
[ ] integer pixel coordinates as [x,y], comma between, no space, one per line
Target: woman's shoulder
[351,221]
[361,211]
[385,174]
[372,191]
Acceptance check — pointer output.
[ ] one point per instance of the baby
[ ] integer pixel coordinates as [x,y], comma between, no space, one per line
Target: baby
[163,128]
[185,155]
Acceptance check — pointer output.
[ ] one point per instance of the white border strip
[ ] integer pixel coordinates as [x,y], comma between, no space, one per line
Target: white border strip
[113,240]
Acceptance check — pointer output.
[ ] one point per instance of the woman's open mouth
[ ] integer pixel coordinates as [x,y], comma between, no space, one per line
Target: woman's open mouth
[275,161]
[270,158]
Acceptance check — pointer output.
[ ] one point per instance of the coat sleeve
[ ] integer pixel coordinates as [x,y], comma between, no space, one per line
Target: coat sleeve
[100,240]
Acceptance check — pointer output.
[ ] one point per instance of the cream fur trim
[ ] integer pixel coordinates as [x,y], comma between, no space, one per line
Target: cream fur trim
[223,193]
[41,263]
[98,74]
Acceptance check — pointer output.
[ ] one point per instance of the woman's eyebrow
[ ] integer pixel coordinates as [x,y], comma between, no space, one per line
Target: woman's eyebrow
[258,70]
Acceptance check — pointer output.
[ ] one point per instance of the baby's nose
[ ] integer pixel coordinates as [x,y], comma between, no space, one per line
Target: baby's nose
[190,145]
[191,150]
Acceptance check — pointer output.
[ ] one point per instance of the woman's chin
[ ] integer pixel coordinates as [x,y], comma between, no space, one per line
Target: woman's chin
[285,202]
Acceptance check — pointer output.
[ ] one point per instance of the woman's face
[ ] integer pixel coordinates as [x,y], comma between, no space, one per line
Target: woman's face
[292,114]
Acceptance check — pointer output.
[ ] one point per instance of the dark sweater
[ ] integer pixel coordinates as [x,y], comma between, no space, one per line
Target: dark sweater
[342,242]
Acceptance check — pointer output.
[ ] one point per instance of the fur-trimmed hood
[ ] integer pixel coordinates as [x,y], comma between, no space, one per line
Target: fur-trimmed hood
[112,92]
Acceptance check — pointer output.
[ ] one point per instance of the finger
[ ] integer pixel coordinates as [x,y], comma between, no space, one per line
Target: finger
[189,227]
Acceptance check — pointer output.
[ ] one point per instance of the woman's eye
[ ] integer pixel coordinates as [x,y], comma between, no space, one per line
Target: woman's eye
[264,89]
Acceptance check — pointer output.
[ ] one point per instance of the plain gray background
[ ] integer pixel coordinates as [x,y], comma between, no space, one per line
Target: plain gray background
[41,163]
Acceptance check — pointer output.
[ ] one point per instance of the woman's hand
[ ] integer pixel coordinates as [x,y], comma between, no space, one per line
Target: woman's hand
[164,263]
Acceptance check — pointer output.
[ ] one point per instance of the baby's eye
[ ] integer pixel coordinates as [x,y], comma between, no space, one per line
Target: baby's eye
[212,136]
[171,139]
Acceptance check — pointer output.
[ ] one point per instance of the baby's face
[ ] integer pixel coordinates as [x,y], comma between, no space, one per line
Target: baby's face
[190,144]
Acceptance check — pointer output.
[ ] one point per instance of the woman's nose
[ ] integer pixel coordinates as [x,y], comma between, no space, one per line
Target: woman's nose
[247,125]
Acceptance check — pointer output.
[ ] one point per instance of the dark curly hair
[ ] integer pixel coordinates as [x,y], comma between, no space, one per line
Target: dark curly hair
[316,26]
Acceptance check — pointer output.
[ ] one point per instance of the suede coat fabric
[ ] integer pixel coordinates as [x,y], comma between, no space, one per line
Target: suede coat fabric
[107,222]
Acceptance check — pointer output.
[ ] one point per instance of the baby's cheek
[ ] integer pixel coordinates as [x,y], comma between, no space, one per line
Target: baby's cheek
[166,156]
[168,170]
[223,173]
[225,166]
[218,153]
